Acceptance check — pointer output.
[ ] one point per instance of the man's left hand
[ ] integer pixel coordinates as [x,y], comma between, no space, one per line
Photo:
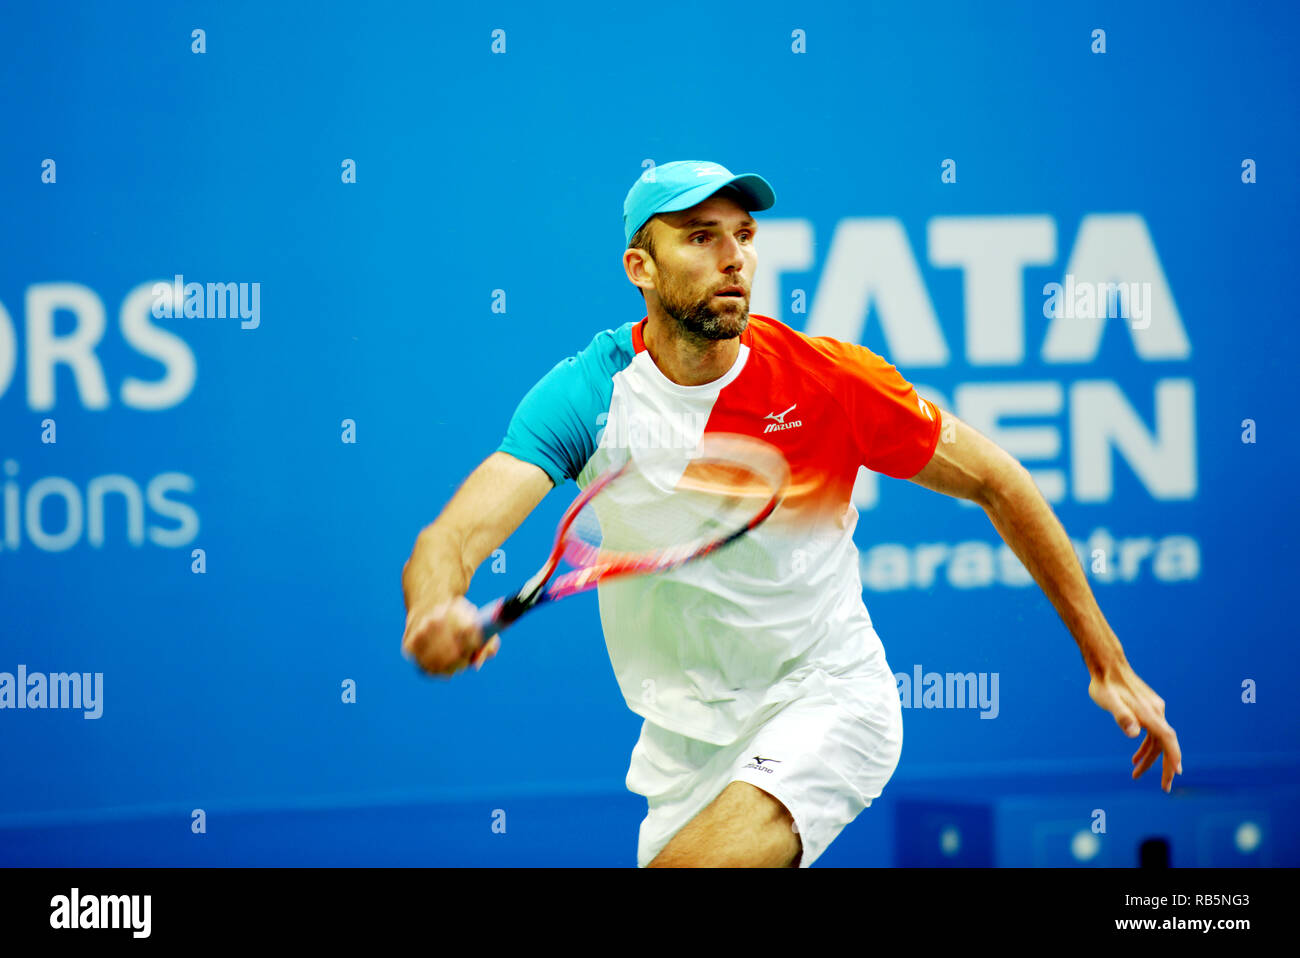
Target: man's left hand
[1136,706]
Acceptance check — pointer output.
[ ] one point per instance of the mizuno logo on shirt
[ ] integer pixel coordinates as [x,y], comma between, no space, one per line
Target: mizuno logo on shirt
[779,421]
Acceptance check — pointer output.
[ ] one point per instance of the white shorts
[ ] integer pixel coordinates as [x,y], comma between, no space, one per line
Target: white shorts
[824,755]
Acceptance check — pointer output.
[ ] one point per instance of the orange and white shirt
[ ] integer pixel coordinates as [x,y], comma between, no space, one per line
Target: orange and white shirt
[709,649]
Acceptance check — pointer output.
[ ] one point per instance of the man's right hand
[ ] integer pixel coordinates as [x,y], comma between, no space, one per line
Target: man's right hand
[445,638]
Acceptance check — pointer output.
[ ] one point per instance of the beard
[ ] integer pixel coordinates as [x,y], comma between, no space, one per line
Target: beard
[703,319]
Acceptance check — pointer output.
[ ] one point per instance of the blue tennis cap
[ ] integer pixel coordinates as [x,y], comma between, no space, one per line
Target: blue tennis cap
[681,184]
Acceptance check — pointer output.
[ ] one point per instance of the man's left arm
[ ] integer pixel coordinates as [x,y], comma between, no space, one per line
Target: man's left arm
[970,466]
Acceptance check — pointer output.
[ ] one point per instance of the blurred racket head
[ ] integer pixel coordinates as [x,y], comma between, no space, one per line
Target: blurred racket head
[660,508]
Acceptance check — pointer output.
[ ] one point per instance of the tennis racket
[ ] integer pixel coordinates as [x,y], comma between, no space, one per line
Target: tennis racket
[649,514]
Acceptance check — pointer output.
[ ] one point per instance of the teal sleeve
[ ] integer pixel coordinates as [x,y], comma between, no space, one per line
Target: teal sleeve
[556,423]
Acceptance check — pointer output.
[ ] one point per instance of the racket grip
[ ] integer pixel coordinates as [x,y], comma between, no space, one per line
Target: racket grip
[489,619]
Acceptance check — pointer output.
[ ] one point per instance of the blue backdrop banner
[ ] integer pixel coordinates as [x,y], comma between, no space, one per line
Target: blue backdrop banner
[273,279]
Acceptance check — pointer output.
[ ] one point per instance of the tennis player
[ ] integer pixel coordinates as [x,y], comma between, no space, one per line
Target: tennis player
[771,716]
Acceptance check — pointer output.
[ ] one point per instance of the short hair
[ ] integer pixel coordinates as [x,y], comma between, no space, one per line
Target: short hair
[643,238]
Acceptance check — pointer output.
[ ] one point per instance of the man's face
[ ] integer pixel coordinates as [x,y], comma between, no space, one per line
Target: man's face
[700,252]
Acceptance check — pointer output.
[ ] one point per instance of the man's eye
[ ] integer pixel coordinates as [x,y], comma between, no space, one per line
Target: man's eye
[746,233]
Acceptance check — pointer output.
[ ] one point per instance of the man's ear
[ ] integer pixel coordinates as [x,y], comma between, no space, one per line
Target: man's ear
[629,266]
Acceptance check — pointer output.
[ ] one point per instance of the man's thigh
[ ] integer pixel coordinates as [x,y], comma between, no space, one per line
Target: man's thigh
[811,769]
[744,827]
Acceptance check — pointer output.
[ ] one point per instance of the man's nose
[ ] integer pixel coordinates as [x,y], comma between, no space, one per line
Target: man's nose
[732,254]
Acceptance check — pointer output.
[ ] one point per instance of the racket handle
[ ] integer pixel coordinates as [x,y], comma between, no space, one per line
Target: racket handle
[488,619]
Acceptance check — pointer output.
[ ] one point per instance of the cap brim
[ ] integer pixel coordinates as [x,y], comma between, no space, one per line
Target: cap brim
[757,192]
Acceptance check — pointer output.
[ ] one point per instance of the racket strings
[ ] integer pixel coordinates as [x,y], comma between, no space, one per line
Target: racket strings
[645,518]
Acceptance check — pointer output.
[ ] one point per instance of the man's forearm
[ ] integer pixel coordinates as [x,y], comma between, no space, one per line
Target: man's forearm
[436,571]
[1027,524]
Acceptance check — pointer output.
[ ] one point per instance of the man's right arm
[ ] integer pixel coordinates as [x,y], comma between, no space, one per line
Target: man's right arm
[442,633]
